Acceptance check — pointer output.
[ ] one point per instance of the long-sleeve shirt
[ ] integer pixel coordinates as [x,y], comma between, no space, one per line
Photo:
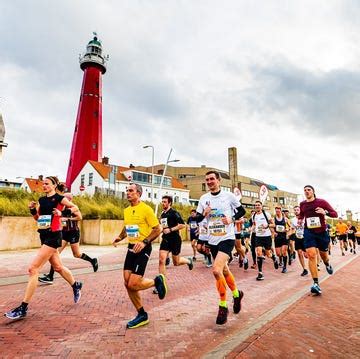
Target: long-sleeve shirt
[316,221]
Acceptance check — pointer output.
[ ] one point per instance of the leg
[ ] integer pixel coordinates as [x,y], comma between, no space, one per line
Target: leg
[193,245]
[179,261]
[63,271]
[312,256]
[162,259]
[136,283]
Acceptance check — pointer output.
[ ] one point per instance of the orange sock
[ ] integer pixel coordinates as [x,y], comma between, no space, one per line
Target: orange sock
[221,287]
[230,280]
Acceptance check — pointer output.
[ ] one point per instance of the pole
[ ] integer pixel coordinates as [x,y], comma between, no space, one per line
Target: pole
[152,174]
[162,180]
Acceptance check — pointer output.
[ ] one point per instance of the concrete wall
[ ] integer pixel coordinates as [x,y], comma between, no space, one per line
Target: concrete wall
[21,232]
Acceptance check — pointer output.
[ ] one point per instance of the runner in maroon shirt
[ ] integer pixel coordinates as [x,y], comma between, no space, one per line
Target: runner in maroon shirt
[313,210]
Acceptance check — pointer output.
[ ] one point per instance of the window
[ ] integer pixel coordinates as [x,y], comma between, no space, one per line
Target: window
[246,193]
[275,199]
[82,180]
[91,176]
[281,200]
[203,187]
[141,177]
[149,195]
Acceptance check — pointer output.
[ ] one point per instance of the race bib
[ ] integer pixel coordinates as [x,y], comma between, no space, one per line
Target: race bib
[299,232]
[193,225]
[279,228]
[64,222]
[163,222]
[132,230]
[260,230]
[203,230]
[44,221]
[313,222]
[217,229]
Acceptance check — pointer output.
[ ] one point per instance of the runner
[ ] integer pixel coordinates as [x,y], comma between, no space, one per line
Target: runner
[262,222]
[193,231]
[291,245]
[240,244]
[217,207]
[141,227]
[351,237]
[70,234]
[298,237]
[313,211]
[252,240]
[341,231]
[171,223]
[47,213]
[281,223]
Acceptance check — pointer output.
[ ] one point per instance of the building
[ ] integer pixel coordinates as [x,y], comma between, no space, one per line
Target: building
[2,135]
[4,183]
[193,179]
[102,177]
[34,185]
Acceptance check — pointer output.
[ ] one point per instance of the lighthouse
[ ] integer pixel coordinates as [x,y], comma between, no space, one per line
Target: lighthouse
[87,138]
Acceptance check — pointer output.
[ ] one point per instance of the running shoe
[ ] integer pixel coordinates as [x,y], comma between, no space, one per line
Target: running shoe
[237,302]
[315,289]
[329,269]
[346,248]
[209,265]
[284,270]
[77,291]
[160,285]
[155,291]
[260,277]
[246,263]
[16,313]
[290,260]
[350,250]
[194,259]
[95,264]
[167,262]
[241,262]
[46,279]
[190,264]
[138,321]
[222,315]
[354,251]
[294,256]
[253,266]
[342,253]
[276,264]
[304,273]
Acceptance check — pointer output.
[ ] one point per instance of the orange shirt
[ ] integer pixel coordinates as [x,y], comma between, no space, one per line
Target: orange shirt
[341,228]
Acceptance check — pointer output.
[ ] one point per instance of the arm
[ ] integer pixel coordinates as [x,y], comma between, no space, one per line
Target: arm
[34,209]
[120,237]
[138,247]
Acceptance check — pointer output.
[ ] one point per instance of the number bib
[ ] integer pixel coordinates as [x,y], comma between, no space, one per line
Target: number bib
[299,232]
[279,228]
[132,230]
[44,221]
[313,222]
[163,222]
[193,225]
[217,228]
[64,222]
[203,230]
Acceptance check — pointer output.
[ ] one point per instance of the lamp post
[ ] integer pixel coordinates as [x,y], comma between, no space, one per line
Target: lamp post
[152,170]
[162,178]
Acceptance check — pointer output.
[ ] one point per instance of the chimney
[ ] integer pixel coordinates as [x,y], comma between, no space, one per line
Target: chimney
[233,170]
[105,160]
[41,177]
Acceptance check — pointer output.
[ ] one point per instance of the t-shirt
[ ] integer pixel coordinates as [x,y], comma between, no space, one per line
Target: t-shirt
[299,228]
[351,232]
[203,230]
[170,219]
[46,218]
[315,222]
[341,228]
[68,224]
[261,224]
[221,204]
[193,226]
[139,221]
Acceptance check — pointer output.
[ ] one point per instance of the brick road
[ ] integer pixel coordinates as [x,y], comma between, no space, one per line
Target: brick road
[182,325]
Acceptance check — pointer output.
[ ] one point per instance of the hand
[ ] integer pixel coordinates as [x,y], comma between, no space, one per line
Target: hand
[275,234]
[56,212]
[320,210]
[32,204]
[166,230]
[138,247]
[116,241]
[207,211]
[226,220]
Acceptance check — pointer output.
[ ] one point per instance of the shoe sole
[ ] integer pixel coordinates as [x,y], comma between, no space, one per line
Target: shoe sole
[96,265]
[17,318]
[138,325]
[259,279]
[241,295]
[78,299]
[315,292]
[45,282]
[165,286]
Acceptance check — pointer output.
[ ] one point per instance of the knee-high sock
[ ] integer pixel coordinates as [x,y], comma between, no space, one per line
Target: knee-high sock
[230,281]
[260,263]
[221,287]
[85,257]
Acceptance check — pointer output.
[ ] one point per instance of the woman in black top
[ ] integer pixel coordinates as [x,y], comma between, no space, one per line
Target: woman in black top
[47,213]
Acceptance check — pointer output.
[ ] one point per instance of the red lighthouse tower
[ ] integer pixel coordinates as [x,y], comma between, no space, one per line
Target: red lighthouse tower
[87,139]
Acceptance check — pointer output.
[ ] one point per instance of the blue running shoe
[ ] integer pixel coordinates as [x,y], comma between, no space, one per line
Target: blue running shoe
[77,291]
[138,321]
[315,289]
[329,269]
[160,285]
[16,313]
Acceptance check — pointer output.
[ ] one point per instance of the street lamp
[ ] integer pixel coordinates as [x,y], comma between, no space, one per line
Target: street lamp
[152,170]
[162,179]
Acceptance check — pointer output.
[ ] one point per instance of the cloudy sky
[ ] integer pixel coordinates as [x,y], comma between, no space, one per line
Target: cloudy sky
[278,80]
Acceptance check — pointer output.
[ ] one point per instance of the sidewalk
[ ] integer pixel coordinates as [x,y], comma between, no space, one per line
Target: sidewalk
[183,324]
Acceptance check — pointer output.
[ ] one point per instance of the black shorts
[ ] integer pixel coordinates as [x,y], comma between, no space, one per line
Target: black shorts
[172,245]
[281,241]
[71,236]
[226,247]
[194,237]
[299,244]
[342,237]
[265,242]
[351,239]
[293,237]
[137,262]
[201,242]
[50,239]
[318,240]
[238,236]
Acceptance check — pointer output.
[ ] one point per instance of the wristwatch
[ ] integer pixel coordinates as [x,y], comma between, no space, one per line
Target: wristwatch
[146,241]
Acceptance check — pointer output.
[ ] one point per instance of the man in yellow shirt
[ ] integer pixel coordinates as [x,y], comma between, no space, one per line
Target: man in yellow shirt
[141,227]
[341,231]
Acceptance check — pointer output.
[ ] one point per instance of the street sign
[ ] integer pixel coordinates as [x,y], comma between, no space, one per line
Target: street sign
[82,188]
[237,193]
